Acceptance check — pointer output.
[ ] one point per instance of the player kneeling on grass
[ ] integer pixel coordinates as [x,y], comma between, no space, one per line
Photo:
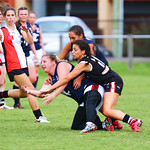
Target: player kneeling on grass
[89,95]
[99,72]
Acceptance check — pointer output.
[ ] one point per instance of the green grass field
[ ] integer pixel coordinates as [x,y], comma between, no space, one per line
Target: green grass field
[19,132]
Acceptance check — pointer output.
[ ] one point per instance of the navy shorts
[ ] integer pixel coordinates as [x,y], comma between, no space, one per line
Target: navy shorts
[12,73]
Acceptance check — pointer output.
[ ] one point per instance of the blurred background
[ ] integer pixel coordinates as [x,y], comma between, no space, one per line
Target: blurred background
[119,27]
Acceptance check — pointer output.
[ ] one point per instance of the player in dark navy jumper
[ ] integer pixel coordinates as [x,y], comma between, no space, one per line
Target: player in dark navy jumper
[76,32]
[99,72]
[89,96]
[38,42]
[23,17]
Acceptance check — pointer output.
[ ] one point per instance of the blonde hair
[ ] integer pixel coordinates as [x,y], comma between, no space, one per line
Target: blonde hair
[52,57]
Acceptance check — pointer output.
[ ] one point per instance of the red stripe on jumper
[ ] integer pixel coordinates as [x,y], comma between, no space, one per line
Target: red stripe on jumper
[95,87]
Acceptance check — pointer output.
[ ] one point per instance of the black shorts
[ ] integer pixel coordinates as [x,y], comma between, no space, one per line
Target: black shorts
[114,87]
[12,73]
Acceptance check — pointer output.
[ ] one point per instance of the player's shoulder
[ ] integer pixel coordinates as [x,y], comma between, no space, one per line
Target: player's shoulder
[63,64]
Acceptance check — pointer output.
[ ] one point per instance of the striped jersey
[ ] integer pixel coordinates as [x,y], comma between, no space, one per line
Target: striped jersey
[14,55]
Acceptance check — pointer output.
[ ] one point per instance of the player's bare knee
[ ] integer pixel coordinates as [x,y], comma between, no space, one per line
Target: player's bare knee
[106,112]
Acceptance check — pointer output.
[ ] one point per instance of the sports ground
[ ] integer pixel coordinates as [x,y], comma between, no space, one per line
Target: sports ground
[19,132]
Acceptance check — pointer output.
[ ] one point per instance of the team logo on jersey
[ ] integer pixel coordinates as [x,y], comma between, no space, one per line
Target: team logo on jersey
[10,37]
[66,93]
[118,87]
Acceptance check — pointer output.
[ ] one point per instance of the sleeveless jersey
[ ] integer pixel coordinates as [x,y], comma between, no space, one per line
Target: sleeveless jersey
[14,55]
[100,72]
[36,37]
[26,47]
[69,90]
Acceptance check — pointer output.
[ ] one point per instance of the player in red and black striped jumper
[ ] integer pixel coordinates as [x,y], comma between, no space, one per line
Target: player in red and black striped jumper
[2,66]
[99,72]
[15,61]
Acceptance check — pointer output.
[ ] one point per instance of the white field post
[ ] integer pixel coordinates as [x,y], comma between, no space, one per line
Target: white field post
[130,51]
[61,43]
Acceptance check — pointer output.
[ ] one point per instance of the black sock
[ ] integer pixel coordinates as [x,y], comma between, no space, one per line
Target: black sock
[35,83]
[4,94]
[37,113]
[126,118]
[16,99]
[16,102]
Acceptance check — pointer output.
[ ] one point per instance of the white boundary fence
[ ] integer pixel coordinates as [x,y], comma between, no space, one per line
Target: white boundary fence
[130,44]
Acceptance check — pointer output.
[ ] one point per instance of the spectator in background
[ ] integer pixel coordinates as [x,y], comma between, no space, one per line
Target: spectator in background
[38,42]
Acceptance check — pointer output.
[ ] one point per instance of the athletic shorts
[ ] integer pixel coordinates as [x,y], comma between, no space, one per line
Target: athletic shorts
[39,56]
[114,87]
[12,73]
[30,61]
[100,90]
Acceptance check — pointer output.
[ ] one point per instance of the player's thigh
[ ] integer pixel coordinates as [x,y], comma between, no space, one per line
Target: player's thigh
[22,80]
[32,73]
[2,74]
[110,100]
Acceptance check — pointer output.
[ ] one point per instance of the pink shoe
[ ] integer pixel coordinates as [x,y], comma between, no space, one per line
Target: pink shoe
[135,125]
[117,125]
